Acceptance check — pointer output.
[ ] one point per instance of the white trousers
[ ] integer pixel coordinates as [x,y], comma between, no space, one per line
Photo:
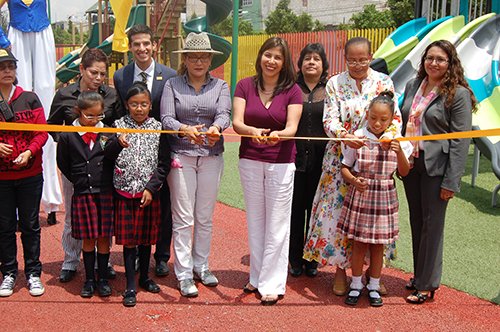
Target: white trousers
[36,71]
[268,191]
[71,246]
[193,193]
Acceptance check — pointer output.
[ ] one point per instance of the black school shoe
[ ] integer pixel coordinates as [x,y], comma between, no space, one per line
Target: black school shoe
[375,301]
[129,298]
[103,288]
[149,285]
[88,289]
[51,218]
[353,300]
[161,269]
[67,275]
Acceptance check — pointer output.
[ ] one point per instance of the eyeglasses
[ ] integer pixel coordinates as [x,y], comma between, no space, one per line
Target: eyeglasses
[94,117]
[9,66]
[202,59]
[354,63]
[137,105]
[439,61]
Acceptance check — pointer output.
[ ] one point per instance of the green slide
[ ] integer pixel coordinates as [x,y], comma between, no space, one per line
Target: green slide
[217,11]
[67,67]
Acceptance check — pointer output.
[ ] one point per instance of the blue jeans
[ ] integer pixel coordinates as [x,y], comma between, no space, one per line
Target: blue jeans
[23,195]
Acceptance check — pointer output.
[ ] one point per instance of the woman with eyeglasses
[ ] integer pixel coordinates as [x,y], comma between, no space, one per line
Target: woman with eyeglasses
[437,101]
[199,106]
[93,71]
[348,96]
[21,180]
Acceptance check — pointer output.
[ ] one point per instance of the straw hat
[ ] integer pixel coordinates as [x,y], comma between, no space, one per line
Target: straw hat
[197,42]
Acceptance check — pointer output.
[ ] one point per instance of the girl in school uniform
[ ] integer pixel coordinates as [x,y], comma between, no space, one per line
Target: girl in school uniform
[142,162]
[80,157]
[370,212]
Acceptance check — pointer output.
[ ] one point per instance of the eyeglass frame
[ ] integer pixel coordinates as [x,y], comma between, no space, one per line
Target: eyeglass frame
[94,117]
[202,59]
[439,61]
[355,63]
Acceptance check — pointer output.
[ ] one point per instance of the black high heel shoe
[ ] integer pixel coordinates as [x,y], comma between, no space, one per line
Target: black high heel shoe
[411,284]
[417,297]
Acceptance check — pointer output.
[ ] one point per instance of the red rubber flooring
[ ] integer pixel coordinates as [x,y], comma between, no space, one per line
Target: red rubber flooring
[308,304]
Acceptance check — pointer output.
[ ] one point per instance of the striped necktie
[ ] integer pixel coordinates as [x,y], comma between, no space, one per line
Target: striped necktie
[144,77]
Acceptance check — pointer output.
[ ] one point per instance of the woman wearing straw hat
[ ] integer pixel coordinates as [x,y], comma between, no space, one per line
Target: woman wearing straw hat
[199,105]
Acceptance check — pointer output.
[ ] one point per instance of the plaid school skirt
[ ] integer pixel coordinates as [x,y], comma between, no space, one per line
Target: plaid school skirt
[92,216]
[135,225]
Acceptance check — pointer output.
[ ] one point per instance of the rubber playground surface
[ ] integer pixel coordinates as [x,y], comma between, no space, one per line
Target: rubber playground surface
[308,303]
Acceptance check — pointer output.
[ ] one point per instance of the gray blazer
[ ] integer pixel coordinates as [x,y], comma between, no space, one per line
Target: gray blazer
[444,158]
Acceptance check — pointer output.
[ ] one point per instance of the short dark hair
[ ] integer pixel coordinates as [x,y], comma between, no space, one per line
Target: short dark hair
[318,49]
[87,99]
[140,28]
[356,41]
[93,55]
[136,89]
[287,76]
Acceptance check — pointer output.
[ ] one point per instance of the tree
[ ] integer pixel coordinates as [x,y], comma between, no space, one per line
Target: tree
[225,28]
[283,20]
[371,18]
[402,10]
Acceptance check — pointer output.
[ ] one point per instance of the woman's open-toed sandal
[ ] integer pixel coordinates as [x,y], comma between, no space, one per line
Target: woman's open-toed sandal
[411,284]
[417,297]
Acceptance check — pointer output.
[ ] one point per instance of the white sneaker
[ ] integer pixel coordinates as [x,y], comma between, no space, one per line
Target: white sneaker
[35,285]
[7,286]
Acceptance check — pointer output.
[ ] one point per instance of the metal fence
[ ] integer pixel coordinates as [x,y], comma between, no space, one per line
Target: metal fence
[333,41]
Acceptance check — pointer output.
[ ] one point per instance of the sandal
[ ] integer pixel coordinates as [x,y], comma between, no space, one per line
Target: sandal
[269,299]
[411,284]
[375,301]
[417,297]
[340,286]
[249,289]
[353,299]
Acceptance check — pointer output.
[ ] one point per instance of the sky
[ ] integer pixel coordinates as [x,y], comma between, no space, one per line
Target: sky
[62,9]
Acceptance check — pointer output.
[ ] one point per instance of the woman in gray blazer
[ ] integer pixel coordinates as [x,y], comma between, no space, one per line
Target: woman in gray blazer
[437,101]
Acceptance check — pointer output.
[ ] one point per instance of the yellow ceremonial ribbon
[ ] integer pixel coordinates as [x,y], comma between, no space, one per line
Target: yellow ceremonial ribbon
[61,128]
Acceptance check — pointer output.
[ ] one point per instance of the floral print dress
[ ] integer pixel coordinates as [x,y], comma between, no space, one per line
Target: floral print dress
[345,109]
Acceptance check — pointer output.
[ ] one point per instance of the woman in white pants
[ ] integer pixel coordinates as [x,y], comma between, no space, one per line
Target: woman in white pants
[194,102]
[268,107]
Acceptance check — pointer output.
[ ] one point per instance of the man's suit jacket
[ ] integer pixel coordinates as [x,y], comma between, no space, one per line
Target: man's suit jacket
[124,78]
[443,157]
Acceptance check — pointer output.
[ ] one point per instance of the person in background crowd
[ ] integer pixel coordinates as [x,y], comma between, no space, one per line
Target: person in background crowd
[313,72]
[93,72]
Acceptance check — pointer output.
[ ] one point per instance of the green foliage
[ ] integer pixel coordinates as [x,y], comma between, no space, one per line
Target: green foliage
[62,36]
[225,28]
[402,10]
[371,18]
[283,20]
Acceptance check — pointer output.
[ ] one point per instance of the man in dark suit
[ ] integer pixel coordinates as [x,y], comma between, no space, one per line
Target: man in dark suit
[145,69]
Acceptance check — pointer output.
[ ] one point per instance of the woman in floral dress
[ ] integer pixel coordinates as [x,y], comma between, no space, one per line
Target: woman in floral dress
[347,98]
